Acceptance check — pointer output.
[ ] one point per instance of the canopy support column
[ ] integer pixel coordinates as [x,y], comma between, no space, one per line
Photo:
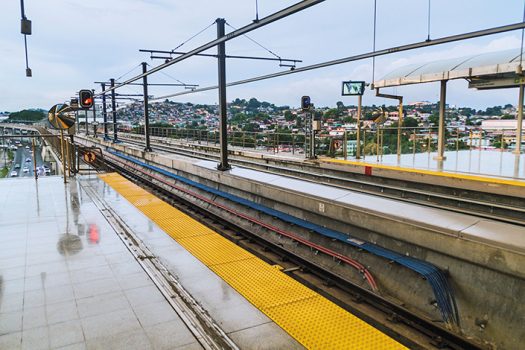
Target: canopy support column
[441,128]
[519,126]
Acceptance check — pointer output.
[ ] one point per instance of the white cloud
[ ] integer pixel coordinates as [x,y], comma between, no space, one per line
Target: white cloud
[75,43]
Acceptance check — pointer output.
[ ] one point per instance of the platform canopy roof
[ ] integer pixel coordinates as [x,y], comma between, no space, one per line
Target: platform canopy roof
[490,70]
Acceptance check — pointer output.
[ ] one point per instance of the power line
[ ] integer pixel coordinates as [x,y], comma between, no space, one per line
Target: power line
[255,42]
[383,52]
[169,76]
[132,69]
[194,36]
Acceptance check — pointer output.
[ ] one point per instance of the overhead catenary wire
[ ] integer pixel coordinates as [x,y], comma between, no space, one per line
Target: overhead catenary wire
[256,42]
[290,10]
[131,70]
[407,47]
[169,76]
[194,36]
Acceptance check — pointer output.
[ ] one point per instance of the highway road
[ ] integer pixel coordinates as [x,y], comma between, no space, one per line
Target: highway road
[22,154]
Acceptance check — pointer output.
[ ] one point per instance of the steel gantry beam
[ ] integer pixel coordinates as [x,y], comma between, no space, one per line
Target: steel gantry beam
[147,148]
[223,111]
[391,50]
[241,31]
[114,111]
[289,60]
[104,112]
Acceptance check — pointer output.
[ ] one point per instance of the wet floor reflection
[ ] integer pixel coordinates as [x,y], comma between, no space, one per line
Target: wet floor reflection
[69,244]
[94,234]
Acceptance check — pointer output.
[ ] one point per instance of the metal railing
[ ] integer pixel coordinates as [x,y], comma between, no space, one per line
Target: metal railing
[274,142]
[34,155]
[376,141]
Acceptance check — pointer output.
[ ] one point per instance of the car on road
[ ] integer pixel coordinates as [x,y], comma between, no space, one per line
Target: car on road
[17,166]
[27,147]
[28,159]
[14,174]
[46,169]
[26,169]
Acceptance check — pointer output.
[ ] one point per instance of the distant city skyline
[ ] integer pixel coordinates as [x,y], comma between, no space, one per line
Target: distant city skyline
[74,44]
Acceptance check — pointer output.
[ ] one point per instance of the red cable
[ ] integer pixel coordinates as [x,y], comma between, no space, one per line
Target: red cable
[368,276]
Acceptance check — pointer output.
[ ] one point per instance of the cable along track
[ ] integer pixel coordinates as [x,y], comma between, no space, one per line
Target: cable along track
[461,203]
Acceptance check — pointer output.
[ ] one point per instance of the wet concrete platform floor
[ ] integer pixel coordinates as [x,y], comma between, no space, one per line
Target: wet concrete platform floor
[68,282]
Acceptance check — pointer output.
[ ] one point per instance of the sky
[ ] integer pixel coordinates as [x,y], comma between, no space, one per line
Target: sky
[76,43]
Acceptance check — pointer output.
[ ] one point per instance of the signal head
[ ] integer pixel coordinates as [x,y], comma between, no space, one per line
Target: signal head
[86,99]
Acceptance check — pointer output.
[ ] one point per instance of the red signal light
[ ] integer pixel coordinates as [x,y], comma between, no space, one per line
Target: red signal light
[86,99]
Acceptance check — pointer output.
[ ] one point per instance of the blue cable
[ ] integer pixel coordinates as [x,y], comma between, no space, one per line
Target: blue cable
[436,278]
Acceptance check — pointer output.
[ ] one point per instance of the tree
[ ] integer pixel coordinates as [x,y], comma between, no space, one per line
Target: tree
[410,122]
[289,116]
[434,119]
[27,114]
[340,105]
[253,103]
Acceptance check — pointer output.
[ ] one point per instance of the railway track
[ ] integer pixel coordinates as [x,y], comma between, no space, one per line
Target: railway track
[500,208]
[413,330]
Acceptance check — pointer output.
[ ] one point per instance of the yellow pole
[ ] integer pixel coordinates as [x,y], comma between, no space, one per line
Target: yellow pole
[364,143]
[62,154]
[68,159]
[381,149]
[377,142]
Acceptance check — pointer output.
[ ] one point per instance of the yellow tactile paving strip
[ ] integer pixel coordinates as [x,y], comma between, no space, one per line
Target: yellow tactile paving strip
[477,178]
[310,318]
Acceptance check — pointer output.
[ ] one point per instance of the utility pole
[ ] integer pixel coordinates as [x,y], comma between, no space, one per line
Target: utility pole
[146,108]
[223,124]
[104,112]
[114,110]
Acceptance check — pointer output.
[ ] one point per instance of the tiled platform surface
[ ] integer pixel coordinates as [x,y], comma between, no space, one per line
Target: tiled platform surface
[62,287]
[247,326]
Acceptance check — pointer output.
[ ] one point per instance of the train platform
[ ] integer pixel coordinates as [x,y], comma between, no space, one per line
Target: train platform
[67,281]
[476,165]
[454,224]
[81,266]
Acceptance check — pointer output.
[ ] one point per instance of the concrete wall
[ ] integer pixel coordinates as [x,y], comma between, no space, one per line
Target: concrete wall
[489,281]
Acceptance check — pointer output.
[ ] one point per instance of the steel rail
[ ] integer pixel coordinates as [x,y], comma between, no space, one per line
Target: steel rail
[241,31]
[407,47]
[436,332]
[409,195]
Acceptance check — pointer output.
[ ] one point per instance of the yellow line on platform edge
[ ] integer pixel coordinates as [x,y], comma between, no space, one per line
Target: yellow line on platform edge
[492,180]
[313,320]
